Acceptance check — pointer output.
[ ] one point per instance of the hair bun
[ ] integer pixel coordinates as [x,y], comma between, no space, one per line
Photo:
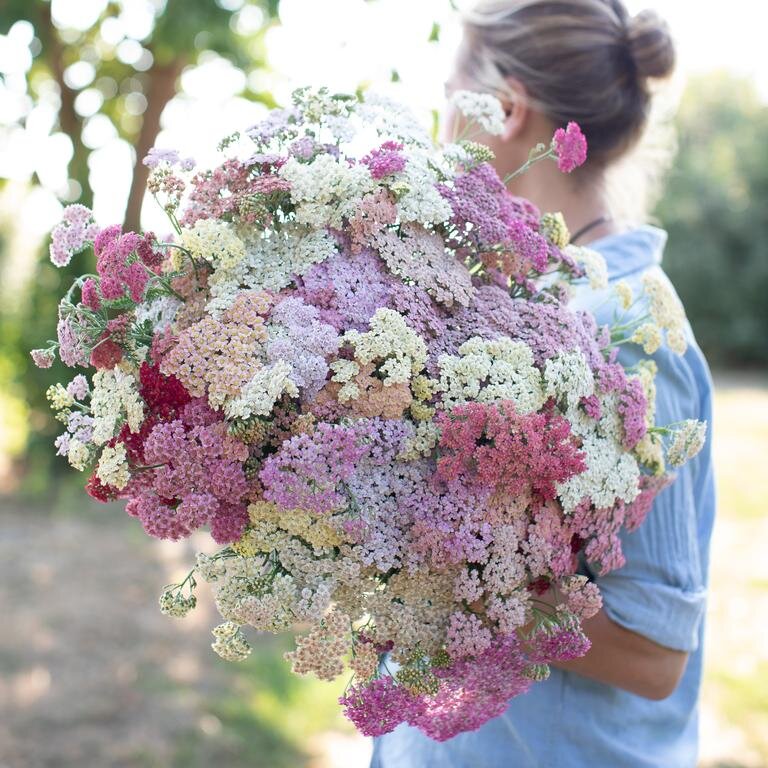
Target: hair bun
[650,45]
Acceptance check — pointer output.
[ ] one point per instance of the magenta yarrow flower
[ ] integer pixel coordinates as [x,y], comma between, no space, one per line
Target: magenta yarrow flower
[570,147]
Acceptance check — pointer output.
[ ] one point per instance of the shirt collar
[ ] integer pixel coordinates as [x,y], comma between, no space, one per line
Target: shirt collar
[631,251]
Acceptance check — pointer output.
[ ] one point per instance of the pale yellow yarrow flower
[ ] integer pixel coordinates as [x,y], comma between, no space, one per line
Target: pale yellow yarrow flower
[113,468]
[593,263]
[59,397]
[554,228]
[648,335]
[676,341]
[624,292]
[666,309]
[687,442]
[78,454]
[214,241]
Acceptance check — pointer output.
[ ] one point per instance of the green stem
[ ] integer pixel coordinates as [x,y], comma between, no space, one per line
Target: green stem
[533,158]
[187,253]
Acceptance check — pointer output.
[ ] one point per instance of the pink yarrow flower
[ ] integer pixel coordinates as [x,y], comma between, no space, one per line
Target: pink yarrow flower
[72,234]
[570,146]
[42,358]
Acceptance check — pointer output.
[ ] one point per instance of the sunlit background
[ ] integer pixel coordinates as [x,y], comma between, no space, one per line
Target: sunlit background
[91,674]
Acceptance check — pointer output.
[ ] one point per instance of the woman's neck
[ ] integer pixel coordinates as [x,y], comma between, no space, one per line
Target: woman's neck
[581,199]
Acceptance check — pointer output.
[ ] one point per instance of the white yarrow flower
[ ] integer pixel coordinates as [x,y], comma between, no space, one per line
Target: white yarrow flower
[568,377]
[489,371]
[259,395]
[687,442]
[482,108]
[113,468]
[593,263]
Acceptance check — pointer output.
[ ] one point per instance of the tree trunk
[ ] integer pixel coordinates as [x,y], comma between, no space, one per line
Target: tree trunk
[162,88]
[69,121]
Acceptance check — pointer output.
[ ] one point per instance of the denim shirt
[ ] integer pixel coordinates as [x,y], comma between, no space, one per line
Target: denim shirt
[569,721]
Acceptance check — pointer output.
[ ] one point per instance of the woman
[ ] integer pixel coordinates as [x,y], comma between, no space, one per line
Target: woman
[632,700]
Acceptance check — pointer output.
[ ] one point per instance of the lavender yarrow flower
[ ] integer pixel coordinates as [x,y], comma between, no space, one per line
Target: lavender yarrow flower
[309,470]
[157,156]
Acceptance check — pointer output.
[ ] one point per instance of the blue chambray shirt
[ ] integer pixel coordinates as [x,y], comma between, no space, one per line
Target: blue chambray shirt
[569,721]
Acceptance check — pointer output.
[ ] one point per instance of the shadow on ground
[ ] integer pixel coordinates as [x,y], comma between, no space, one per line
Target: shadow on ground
[91,674]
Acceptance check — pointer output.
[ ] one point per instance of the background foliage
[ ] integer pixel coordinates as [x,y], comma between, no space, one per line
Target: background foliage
[133,84]
[715,208]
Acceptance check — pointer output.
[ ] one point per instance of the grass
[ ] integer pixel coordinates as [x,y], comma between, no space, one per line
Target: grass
[267,717]
[736,654]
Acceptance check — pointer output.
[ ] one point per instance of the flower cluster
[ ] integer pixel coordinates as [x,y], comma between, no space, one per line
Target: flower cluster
[359,371]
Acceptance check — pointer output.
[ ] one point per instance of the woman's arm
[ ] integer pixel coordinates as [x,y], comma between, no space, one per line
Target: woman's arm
[624,659]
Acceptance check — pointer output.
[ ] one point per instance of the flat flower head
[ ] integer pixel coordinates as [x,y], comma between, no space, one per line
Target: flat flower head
[570,147]
[482,108]
[687,442]
[42,358]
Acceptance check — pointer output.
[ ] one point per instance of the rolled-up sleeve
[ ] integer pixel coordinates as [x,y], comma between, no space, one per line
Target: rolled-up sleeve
[661,591]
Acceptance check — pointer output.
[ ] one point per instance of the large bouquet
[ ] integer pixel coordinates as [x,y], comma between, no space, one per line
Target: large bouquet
[355,363]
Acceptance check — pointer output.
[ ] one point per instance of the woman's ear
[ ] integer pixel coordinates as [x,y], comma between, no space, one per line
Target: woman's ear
[516,109]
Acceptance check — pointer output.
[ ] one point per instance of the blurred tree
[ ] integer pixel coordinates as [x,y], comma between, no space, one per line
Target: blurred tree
[130,75]
[136,78]
[715,208]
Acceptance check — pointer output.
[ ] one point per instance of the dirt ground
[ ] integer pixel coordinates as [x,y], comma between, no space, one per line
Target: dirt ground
[82,644]
[92,675]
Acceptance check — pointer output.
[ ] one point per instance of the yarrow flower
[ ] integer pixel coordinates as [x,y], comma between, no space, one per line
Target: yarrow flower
[214,241]
[570,147]
[624,293]
[113,466]
[157,156]
[686,442]
[231,644]
[482,108]
[43,358]
[361,374]
[386,160]
[593,263]
[173,603]
[72,234]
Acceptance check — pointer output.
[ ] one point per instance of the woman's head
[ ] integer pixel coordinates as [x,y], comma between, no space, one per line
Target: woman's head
[582,60]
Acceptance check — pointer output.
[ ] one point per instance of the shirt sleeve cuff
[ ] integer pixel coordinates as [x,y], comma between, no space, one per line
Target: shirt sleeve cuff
[665,614]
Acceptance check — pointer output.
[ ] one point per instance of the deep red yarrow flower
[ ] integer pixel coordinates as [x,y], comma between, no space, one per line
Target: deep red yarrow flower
[99,491]
[106,354]
[164,395]
[491,445]
[570,147]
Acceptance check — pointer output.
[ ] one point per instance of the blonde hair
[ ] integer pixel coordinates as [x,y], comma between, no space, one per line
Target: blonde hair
[582,60]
